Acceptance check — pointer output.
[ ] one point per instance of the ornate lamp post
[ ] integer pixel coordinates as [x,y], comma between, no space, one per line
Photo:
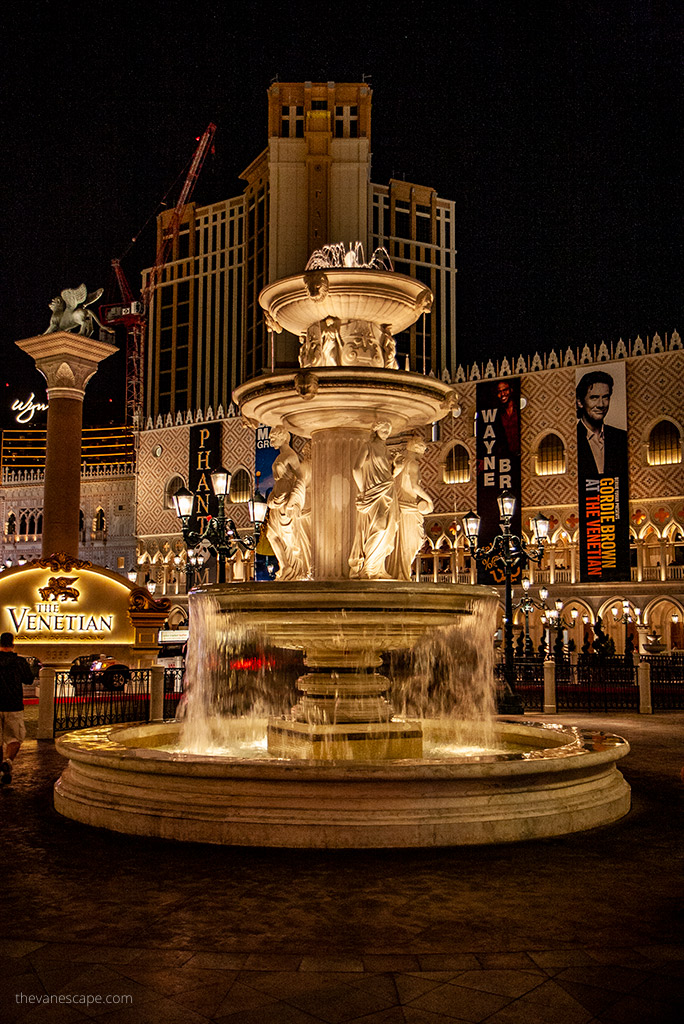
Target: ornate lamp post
[559,624]
[511,551]
[626,619]
[220,533]
[528,603]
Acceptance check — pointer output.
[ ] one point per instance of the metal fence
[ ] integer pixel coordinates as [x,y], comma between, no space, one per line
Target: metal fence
[90,700]
[174,682]
[667,681]
[529,681]
[605,684]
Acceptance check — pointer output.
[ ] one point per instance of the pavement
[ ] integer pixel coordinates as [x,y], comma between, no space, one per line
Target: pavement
[577,930]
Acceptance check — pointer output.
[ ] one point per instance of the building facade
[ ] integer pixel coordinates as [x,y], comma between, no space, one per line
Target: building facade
[654,583]
[310,186]
[107,512]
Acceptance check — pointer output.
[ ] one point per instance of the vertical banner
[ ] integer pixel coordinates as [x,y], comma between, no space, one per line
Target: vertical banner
[264,457]
[602,473]
[204,457]
[498,465]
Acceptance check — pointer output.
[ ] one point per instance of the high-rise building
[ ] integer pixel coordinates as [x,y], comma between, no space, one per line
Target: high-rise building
[309,187]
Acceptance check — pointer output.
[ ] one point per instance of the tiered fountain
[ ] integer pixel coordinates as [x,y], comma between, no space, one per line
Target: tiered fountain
[341,769]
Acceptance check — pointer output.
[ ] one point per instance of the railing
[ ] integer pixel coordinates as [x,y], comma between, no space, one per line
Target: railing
[667,681]
[606,684]
[87,699]
[562,575]
[529,681]
[174,684]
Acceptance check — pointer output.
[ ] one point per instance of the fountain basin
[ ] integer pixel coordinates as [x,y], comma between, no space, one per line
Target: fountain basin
[378,296]
[561,781]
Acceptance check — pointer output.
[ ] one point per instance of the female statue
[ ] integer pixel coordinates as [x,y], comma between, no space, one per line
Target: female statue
[285,530]
[414,502]
[376,507]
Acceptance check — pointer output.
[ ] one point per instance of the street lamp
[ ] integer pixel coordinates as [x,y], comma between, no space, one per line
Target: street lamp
[559,623]
[625,618]
[220,533]
[511,551]
[528,603]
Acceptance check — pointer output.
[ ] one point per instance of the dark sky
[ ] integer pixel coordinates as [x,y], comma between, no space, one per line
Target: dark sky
[556,129]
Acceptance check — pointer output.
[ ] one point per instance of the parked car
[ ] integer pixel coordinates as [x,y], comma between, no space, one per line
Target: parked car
[98,672]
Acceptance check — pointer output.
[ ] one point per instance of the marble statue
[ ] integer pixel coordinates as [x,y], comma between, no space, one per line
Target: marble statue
[69,312]
[376,507]
[336,342]
[414,502]
[287,529]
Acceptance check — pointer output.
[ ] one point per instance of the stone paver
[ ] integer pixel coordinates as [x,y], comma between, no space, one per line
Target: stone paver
[586,928]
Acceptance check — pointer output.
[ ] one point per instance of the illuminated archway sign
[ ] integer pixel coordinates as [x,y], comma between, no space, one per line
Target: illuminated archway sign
[54,604]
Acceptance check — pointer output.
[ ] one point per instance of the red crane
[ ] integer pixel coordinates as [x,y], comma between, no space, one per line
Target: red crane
[133,313]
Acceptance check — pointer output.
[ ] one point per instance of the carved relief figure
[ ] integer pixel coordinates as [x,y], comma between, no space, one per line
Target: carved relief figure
[414,503]
[376,507]
[389,347]
[284,527]
[69,312]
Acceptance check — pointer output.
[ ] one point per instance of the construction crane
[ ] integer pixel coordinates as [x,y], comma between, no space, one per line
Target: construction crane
[132,313]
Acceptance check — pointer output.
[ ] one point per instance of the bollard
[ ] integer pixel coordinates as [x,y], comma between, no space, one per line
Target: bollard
[156,693]
[549,687]
[46,704]
[644,674]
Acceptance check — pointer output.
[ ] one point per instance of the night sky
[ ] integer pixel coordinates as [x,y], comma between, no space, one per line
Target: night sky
[557,131]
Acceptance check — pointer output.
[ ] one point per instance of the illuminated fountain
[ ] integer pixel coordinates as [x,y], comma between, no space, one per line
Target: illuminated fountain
[341,768]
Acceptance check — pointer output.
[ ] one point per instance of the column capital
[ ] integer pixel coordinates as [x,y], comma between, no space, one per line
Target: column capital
[66,360]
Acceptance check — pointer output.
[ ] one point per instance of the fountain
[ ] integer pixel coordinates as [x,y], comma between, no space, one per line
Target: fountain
[345,766]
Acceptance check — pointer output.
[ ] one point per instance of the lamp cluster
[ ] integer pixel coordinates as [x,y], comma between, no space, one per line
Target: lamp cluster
[511,551]
[220,535]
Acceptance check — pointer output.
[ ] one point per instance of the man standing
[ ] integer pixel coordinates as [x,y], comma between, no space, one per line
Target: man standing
[601,449]
[15,673]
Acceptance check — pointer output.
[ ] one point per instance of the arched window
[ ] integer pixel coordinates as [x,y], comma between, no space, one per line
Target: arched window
[81,521]
[11,523]
[457,465]
[23,524]
[39,524]
[99,521]
[240,487]
[174,485]
[550,460]
[664,445]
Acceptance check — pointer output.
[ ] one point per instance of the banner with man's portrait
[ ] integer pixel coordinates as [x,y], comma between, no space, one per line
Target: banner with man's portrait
[497,435]
[602,472]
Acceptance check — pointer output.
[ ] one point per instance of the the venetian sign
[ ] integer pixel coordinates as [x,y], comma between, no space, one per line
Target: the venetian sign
[65,603]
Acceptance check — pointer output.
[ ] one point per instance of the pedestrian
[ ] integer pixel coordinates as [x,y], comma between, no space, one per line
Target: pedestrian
[15,673]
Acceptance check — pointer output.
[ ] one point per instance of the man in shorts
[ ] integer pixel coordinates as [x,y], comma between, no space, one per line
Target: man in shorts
[15,673]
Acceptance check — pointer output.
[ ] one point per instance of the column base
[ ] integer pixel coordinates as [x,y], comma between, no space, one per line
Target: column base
[365,741]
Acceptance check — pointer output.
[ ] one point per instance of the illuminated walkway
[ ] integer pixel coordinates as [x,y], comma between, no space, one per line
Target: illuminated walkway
[583,929]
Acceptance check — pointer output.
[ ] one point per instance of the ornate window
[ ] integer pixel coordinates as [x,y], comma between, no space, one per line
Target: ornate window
[11,526]
[550,459]
[664,445]
[457,465]
[174,485]
[240,487]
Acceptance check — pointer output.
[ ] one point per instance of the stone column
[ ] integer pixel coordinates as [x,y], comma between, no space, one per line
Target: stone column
[645,698]
[67,361]
[46,704]
[333,510]
[549,687]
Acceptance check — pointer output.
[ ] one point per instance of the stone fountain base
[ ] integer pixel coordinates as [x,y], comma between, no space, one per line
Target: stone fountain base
[561,782]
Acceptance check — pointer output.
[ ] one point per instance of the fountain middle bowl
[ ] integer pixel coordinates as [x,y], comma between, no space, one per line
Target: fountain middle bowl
[352,615]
